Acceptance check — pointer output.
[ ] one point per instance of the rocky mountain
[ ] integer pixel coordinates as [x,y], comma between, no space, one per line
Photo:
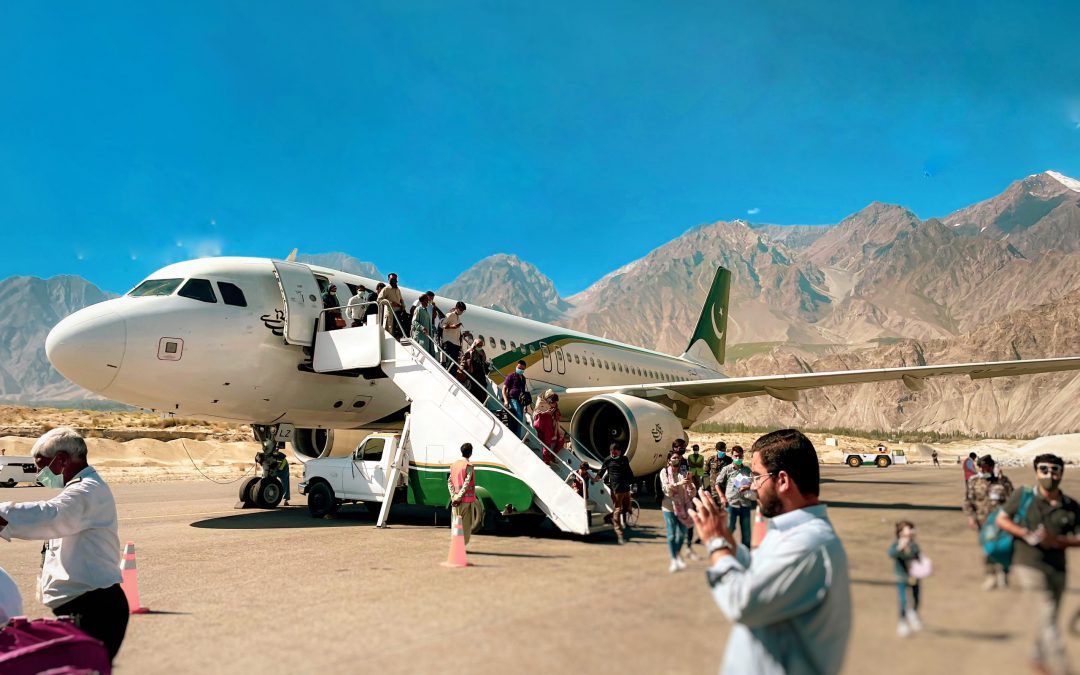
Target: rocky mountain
[656,300]
[1040,404]
[343,262]
[30,308]
[1038,214]
[509,284]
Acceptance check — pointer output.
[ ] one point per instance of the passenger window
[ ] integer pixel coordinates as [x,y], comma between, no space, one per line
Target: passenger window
[576,359]
[512,345]
[502,344]
[481,338]
[372,449]
[198,289]
[491,341]
[231,294]
[155,287]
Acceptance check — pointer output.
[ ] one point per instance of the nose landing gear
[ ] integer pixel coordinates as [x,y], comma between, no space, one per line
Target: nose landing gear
[263,491]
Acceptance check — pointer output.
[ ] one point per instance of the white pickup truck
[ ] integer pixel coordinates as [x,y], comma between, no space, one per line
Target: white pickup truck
[361,477]
[15,470]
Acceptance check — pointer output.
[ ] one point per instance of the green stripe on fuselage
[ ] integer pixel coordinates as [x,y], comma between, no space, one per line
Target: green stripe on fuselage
[531,353]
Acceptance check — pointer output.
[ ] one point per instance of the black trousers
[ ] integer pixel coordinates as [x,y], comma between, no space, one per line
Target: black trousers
[102,614]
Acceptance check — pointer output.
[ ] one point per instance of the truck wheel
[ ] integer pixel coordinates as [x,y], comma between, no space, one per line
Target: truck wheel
[10,483]
[882,462]
[854,461]
[246,494]
[268,493]
[320,500]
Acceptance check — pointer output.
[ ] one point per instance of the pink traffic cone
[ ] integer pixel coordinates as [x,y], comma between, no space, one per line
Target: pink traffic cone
[130,582]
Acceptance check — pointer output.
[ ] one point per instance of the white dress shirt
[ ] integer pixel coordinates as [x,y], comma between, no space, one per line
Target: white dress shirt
[10,600]
[80,524]
[790,602]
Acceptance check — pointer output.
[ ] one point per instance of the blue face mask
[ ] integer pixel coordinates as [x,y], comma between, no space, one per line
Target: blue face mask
[520,371]
[48,478]
[721,454]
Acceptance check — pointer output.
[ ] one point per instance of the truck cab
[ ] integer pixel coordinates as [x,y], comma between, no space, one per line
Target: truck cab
[358,477]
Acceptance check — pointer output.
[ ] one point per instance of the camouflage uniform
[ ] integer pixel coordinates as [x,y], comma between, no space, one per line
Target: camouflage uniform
[977,503]
[984,495]
[713,466]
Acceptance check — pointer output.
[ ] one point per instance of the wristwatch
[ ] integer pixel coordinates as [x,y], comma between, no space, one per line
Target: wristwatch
[715,544]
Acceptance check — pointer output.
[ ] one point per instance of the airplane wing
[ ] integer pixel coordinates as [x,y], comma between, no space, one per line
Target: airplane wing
[787,387]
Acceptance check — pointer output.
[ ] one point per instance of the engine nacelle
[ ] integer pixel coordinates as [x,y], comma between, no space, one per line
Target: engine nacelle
[642,428]
[315,443]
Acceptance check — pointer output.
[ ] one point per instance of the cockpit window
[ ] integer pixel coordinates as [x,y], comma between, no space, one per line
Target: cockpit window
[198,289]
[156,287]
[231,294]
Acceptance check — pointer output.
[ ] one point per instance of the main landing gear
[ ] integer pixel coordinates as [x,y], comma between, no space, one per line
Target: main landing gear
[265,490]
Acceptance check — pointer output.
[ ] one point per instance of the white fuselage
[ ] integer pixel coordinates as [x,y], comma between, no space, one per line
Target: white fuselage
[230,362]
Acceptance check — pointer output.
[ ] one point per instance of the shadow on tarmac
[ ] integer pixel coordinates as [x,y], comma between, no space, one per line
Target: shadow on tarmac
[898,506]
[966,634]
[869,482]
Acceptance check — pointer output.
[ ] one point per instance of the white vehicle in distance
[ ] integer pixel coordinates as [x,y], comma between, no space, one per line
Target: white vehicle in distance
[881,457]
[15,470]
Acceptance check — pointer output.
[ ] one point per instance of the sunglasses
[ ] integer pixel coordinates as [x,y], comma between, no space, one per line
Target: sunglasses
[1049,469]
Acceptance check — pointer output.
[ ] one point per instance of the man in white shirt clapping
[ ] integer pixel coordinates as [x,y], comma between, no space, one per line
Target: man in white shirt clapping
[80,575]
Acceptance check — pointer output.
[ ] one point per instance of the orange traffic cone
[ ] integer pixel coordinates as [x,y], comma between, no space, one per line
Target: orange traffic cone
[761,526]
[457,544]
[130,582]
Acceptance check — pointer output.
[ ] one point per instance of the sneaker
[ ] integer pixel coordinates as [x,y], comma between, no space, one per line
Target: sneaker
[1002,579]
[913,620]
[286,502]
[990,583]
[674,566]
[680,563]
[620,539]
[692,555]
[902,630]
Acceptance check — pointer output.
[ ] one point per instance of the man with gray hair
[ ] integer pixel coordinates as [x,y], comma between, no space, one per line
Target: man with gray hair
[80,571]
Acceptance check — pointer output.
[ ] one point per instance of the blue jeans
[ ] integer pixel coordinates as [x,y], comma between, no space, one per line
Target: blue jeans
[517,414]
[901,589]
[676,533]
[743,514]
[283,476]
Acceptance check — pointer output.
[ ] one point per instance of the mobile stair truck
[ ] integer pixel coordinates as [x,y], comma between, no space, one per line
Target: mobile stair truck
[413,466]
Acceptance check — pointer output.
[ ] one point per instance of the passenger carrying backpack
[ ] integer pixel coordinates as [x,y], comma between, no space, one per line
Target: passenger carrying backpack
[996,542]
[54,645]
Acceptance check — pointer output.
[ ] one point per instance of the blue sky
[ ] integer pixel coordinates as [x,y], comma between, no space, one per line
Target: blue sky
[424,136]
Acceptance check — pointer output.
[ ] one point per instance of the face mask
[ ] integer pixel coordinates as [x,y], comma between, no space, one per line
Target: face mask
[1049,483]
[721,454]
[738,462]
[520,371]
[393,284]
[49,479]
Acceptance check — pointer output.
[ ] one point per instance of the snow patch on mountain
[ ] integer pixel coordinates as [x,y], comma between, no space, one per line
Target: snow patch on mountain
[1070,183]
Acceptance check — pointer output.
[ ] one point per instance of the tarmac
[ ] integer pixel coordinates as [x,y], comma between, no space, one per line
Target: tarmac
[280,592]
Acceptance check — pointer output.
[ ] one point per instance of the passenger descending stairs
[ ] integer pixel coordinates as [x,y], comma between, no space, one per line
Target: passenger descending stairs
[445,414]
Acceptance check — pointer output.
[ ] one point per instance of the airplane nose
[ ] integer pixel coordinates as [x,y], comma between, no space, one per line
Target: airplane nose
[88,347]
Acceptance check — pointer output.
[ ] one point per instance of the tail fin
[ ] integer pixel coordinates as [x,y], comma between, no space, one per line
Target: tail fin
[709,340]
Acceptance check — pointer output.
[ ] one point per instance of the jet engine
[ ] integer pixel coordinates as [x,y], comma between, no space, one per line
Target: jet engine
[315,443]
[643,429]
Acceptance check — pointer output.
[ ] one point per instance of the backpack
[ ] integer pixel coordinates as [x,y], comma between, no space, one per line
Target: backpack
[997,543]
[525,398]
[47,644]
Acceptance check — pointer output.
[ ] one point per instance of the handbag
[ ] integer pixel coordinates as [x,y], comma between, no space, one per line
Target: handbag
[997,544]
[920,568]
[47,644]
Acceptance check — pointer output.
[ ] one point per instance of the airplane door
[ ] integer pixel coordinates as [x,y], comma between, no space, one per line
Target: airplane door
[303,301]
[547,357]
[560,361]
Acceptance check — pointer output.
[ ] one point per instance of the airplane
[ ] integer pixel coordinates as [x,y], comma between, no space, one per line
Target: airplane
[231,338]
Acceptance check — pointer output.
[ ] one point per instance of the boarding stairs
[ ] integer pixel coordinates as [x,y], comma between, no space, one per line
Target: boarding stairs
[444,413]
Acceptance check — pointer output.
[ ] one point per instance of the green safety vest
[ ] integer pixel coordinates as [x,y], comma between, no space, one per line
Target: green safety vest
[696,464]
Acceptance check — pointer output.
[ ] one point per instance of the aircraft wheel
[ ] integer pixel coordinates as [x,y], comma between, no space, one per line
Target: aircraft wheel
[854,461]
[321,501]
[246,495]
[268,493]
